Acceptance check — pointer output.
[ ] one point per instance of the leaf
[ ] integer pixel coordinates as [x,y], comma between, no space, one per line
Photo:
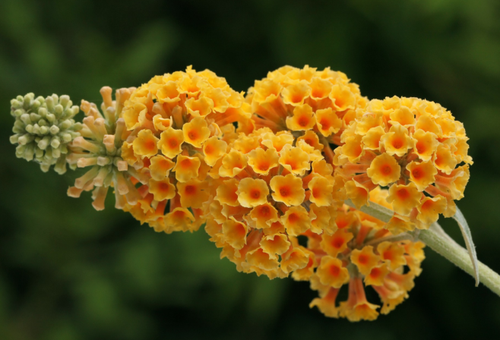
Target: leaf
[466,234]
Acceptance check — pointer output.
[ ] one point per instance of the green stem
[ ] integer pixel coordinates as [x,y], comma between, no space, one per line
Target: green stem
[444,245]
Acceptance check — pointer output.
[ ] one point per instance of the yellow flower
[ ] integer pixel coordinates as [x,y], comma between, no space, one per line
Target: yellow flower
[170,142]
[162,190]
[288,189]
[275,245]
[384,170]
[296,220]
[320,190]
[422,174]
[252,192]
[365,259]
[397,141]
[213,150]
[145,144]
[332,273]
[404,198]
[196,132]
[233,163]
[160,167]
[263,216]
[295,160]
[302,119]
[262,161]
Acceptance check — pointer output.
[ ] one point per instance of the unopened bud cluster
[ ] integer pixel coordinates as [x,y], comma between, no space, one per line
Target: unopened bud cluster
[43,129]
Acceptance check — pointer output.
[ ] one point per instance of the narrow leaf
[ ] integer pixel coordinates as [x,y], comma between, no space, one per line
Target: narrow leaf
[466,234]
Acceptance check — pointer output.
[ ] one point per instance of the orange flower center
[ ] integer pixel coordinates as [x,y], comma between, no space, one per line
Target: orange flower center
[363,259]
[284,192]
[403,194]
[386,169]
[417,173]
[190,189]
[388,255]
[255,194]
[292,218]
[186,163]
[173,142]
[421,147]
[334,270]
[209,149]
[303,121]
[398,143]
[265,211]
[150,145]
[163,187]
[325,124]
[338,242]
[375,272]
[263,166]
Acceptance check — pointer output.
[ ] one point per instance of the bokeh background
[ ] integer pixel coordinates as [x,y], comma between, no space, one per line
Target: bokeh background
[68,272]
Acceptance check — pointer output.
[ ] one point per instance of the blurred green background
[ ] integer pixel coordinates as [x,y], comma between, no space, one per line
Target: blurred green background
[68,272]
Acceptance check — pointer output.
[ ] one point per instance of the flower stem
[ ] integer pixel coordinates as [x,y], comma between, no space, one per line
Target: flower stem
[444,245]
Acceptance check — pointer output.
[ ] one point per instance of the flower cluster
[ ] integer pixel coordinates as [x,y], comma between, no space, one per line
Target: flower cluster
[43,129]
[413,147]
[100,148]
[360,253]
[268,174]
[178,124]
[268,188]
[305,99]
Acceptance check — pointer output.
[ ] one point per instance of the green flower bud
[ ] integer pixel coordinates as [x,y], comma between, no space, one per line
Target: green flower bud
[43,128]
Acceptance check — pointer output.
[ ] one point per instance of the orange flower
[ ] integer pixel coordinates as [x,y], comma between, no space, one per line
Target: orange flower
[186,168]
[365,259]
[192,193]
[296,220]
[252,192]
[336,243]
[234,233]
[384,170]
[213,150]
[275,245]
[321,191]
[365,248]
[170,142]
[262,161]
[332,273]
[162,190]
[145,144]
[422,174]
[233,163]
[264,216]
[303,119]
[404,198]
[160,167]
[287,189]
[294,160]
[397,141]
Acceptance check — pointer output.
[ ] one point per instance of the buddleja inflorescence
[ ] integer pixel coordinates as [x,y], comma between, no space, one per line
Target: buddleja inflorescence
[263,170]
